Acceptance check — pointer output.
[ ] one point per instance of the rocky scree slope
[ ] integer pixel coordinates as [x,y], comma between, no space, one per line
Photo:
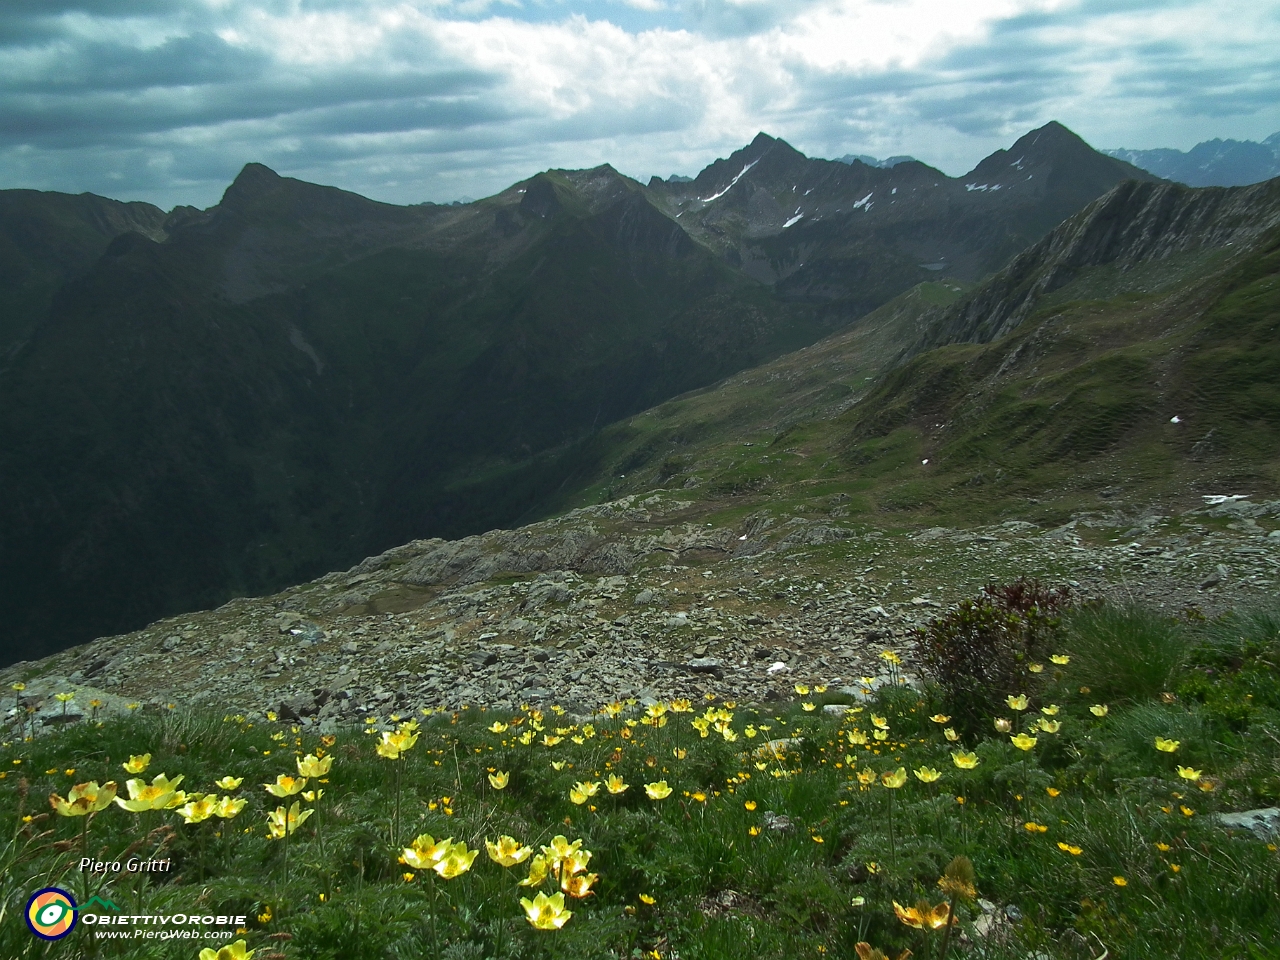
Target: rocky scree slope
[640,597]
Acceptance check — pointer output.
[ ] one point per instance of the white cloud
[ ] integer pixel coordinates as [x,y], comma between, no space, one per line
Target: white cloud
[435,98]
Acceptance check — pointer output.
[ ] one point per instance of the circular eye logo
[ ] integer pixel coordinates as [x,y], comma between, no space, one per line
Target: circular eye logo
[51,913]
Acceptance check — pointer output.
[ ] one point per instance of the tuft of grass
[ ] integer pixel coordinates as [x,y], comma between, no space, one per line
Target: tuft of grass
[1124,653]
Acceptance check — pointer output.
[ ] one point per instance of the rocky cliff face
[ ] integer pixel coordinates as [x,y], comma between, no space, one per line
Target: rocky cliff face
[1135,223]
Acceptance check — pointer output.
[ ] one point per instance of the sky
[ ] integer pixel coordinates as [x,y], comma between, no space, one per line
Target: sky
[433,100]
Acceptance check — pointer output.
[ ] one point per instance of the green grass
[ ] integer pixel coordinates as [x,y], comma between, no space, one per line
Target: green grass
[722,880]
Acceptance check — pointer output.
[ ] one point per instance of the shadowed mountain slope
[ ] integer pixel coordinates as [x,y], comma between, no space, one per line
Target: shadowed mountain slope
[208,403]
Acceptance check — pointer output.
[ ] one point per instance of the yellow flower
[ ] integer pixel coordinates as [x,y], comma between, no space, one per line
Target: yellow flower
[1049,726]
[923,916]
[817,688]
[951,735]
[1099,709]
[882,723]
[1016,703]
[857,737]
[1186,811]
[311,796]
[582,791]
[17,686]
[801,689]
[890,657]
[807,707]
[1120,881]
[615,784]
[558,765]
[754,831]
[1023,742]
[881,735]
[425,852]
[64,697]
[313,766]
[232,951]
[750,805]
[84,799]
[229,783]
[285,786]
[228,808]
[1032,827]
[137,764]
[281,822]
[648,900]
[546,913]
[1052,791]
[197,809]
[1051,710]
[1167,746]
[156,796]
[866,776]
[539,869]
[499,779]
[965,761]
[455,862]
[1060,659]
[507,852]
[265,915]
[498,727]
[1069,848]
[1003,725]
[939,718]
[926,774]
[679,752]
[1162,847]
[1036,667]
[577,885]
[893,780]
[393,744]
[657,791]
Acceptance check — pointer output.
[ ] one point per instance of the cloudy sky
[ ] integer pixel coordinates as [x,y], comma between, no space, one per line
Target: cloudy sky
[165,100]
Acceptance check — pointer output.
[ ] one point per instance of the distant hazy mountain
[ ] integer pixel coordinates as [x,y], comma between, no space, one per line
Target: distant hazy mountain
[201,404]
[872,161]
[1213,163]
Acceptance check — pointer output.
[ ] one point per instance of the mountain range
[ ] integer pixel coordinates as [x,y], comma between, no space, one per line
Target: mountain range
[204,403]
[1211,163]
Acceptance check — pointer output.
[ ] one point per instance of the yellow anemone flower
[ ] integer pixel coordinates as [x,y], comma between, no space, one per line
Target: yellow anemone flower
[1016,703]
[578,885]
[923,916]
[499,779]
[615,784]
[425,852]
[64,697]
[1050,726]
[881,723]
[866,777]
[507,852]
[393,744]
[313,766]
[558,765]
[137,764]
[455,862]
[1023,741]
[939,718]
[1051,710]
[867,952]
[84,799]
[285,786]
[232,951]
[498,727]
[1003,725]
[229,783]
[281,822]
[881,735]
[951,735]
[681,706]
[657,791]
[546,913]
[1070,848]
[894,779]
[1032,827]
[801,689]
[1167,746]
[890,657]
[559,850]
[965,761]
[1187,773]
[198,808]
[1099,709]
[228,807]
[808,707]
[926,774]
[154,796]
[857,737]
[1036,667]
[539,869]
[1060,659]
